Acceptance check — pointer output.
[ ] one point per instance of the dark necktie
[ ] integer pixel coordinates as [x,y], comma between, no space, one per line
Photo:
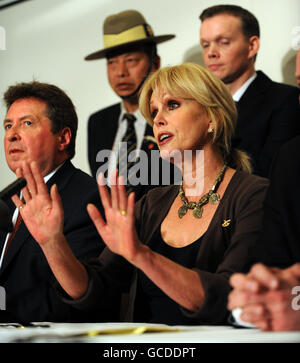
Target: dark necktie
[128,145]
[13,233]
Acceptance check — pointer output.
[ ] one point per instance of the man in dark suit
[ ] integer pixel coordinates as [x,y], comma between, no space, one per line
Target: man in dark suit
[268,296]
[130,51]
[40,126]
[268,112]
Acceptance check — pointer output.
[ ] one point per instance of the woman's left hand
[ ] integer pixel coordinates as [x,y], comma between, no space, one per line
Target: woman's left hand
[118,232]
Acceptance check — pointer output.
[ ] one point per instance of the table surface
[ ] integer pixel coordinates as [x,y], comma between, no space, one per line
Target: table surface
[139,333]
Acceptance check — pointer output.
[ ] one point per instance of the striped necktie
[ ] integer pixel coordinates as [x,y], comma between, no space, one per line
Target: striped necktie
[128,144]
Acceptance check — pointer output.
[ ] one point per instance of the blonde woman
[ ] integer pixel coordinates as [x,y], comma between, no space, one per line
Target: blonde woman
[173,252]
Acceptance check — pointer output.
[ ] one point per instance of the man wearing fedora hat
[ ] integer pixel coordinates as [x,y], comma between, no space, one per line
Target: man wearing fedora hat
[130,51]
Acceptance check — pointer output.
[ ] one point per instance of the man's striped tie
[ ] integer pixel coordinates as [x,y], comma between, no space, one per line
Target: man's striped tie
[128,145]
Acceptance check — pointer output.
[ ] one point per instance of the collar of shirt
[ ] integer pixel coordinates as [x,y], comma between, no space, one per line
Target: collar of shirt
[50,175]
[239,93]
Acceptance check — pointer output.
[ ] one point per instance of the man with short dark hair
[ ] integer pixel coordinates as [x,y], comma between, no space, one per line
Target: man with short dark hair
[131,54]
[40,126]
[268,112]
[267,296]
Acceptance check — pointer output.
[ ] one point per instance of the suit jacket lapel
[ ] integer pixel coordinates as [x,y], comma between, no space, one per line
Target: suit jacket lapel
[108,128]
[253,94]
[105,131]
[251,99]
[149,130]
[62,176]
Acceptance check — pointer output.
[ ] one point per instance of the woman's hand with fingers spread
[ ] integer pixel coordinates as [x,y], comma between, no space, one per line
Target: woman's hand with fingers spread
[118,232]
[42,213]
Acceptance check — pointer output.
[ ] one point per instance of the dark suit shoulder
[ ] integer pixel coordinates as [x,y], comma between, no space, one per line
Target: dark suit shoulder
[70,173]
[83,180]
[113,109]
[263,96]
[102,128]
[291,148]
[268,116]
[74,184]
[286,164]
[264,83]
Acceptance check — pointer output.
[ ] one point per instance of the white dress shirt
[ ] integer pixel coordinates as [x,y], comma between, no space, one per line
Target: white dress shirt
[239,93]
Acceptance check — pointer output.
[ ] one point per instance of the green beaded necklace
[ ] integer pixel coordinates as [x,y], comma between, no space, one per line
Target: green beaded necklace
[212,197]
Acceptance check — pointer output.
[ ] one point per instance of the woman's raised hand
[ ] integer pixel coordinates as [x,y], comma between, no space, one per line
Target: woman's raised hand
[118,232]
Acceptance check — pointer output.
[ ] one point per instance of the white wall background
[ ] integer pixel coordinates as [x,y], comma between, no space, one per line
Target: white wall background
[47,41]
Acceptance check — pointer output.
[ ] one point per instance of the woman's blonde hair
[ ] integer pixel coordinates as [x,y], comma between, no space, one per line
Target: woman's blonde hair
[192,81]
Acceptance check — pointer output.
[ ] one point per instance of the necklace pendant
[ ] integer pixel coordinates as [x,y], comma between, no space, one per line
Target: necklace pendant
[197,212]
[182,211]
[214,198]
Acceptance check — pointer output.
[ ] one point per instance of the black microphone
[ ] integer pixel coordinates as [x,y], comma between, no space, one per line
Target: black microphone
[13,188]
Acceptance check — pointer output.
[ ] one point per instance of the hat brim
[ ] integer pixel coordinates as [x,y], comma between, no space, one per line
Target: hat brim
[103,52]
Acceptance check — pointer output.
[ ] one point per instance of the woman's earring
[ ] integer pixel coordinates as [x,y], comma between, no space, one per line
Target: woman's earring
[210,130]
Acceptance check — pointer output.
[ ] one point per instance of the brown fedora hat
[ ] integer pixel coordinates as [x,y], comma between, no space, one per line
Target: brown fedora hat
[125,29]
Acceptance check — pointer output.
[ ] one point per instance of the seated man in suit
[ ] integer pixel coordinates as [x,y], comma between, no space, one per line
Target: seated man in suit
[267,298]
[41,125]
[131,54]
[268,112]
[269,295]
